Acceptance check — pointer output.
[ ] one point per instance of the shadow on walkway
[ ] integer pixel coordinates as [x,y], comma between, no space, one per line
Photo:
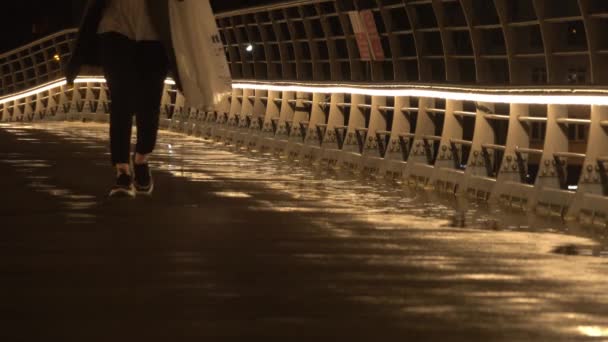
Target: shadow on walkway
[204,258]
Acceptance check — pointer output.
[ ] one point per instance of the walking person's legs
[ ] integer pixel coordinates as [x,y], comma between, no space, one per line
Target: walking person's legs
[152,71]
[118,57]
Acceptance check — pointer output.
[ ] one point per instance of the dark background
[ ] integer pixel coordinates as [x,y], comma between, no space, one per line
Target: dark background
[26,20]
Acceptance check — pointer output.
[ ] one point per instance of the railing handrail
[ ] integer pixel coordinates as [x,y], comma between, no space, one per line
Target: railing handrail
[38,41]
[269,7]
[497,90]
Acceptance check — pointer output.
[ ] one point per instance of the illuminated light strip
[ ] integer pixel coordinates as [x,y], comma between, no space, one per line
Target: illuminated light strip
[35,91]
[90,79]
[98,79]
[483,90]
[556,99]
[57,84]
[489,95]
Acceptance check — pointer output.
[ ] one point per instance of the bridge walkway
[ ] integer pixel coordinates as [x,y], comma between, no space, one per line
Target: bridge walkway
[235,246]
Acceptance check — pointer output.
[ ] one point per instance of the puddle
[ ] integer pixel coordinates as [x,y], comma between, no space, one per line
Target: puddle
[581,250]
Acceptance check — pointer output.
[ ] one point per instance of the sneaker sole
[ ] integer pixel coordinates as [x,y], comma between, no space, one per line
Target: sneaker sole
[141,191]
[122,193]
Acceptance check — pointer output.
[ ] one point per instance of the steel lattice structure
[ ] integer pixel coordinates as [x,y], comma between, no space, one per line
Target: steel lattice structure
[499,100]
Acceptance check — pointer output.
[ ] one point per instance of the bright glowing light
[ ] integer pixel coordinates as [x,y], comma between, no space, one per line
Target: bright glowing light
[57,57]
[92,79]
[249,48]
[572,187]
[57,84]
[593,331]
[550,96]
[561,96]
[231,194]
[32,92]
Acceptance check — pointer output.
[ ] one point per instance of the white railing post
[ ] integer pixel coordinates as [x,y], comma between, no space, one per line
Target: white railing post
[510,189]
[590,203]
[256,119]
[301,117]
[477,182]
[447,177]
[552,199]
[400,143]
[271,119]
[311,149]
[372,158]
[350,158]
[285,119]
[421,159]
[336,127]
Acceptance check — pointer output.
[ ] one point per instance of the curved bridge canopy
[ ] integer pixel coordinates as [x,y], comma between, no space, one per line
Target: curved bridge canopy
[517,42]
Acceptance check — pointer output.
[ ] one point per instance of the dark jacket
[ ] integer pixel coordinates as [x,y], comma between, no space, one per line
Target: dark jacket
[86,49]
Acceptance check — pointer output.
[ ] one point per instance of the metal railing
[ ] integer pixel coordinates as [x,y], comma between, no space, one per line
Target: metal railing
[36,63]
[383,41]
[546,147]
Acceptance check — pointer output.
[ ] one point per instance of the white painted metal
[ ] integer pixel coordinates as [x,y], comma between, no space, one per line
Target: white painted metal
[308,126]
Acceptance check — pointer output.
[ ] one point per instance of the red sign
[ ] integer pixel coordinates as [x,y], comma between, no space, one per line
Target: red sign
[369,25]
[360,35]
[363,46]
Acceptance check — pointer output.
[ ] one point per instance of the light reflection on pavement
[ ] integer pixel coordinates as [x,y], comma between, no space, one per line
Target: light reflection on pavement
[412,256]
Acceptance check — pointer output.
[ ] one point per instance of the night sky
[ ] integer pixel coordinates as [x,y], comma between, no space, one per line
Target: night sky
[26,20]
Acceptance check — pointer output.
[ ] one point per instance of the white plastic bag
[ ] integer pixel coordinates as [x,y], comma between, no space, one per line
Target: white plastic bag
[199,53]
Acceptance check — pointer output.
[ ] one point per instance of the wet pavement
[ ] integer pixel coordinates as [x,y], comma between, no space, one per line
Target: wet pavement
[234,246]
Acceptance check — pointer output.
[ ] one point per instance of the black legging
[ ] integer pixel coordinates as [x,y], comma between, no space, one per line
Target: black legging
[135,72]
